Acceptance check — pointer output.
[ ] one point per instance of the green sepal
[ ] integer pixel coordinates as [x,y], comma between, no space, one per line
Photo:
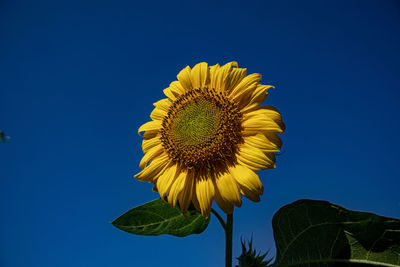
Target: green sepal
[250,257]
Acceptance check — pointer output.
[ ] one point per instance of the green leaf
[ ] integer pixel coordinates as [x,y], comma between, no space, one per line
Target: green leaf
[318,233]
[157,218]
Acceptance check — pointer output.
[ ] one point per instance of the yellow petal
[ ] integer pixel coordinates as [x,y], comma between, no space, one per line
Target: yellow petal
[258,124]
[167,91]
[177,187]
[249,183]
[195,201]
[163,104]
[254,158]
[227,193]
[199,75]
[235,77]
[260,94]
[205,192]
[272,157]
[164,182]
[261,142]
[149,135]
[225,206]
[213,75]
[222,76]
[151,127]
[274,138]
[266,113]
[248,107]
[158,114]
[176,88]
[184,78]
[258,97]
[152,153]
[244,90]
[185,196]
[154,169]
[149,143]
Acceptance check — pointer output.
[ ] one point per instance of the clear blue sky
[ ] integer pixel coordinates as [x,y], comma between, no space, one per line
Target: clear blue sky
[77,79]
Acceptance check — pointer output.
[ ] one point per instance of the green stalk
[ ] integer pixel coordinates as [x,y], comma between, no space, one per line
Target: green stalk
[221,221]
[228,228]
[228,240]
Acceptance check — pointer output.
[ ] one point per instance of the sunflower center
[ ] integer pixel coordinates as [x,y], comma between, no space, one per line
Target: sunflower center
[196,123]
[202,129]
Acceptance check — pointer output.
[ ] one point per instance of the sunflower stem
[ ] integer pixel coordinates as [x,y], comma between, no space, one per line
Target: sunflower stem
[228,240]
[219,218]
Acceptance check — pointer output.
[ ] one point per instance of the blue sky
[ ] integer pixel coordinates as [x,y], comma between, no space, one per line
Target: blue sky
[77,79]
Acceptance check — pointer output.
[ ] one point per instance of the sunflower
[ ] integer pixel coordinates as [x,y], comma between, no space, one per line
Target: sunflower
[208,138]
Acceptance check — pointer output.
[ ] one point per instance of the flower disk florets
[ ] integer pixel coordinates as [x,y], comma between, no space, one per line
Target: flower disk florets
[202,129]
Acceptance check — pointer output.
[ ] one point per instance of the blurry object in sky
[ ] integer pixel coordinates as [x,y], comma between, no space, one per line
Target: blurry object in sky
[3,137]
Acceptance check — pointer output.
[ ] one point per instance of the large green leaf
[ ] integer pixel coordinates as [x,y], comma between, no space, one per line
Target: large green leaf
[157,218]
[318,233]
